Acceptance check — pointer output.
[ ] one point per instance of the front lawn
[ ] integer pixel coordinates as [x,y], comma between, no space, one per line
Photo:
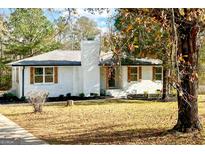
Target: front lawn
[104,122]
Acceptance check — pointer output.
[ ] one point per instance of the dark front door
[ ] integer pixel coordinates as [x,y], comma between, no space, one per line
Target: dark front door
[111,78]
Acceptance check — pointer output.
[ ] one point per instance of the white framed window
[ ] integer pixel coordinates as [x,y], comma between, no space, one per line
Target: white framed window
[133,73]
[43,75]
[158,73]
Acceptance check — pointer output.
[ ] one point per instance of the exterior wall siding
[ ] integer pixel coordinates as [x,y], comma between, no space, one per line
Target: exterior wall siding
[71,79]
[102,78]
[16,85]
[144,85]
[64,85]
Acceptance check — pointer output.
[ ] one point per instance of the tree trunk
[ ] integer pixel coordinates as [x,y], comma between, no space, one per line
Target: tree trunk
[188,118]
[165,90]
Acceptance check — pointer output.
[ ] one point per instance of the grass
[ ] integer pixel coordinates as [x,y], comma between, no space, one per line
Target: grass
[104,122]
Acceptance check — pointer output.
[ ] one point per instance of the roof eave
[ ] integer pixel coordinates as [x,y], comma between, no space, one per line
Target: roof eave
[14,65]
[133,65]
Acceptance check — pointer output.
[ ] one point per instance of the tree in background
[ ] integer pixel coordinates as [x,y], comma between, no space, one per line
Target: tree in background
[202,67]
[74,31]
[26,32]
[30,33]
[5,77]
[33,31]
[86,28]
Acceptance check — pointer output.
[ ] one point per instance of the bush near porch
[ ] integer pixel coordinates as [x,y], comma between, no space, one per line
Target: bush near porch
[104,122]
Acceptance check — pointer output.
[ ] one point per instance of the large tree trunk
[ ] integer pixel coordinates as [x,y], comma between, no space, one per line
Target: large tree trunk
[188,118]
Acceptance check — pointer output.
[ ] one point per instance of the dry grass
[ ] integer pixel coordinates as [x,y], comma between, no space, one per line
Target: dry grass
[104,122]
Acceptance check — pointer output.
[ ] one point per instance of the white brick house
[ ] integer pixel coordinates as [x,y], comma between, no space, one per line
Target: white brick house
[85,71]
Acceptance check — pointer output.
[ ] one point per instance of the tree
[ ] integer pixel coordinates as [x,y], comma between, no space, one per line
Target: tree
[4,77]
[75,31]
[184,27]
[30,33]
[86,28]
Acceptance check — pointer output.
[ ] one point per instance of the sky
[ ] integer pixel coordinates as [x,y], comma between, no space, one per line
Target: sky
[101,19]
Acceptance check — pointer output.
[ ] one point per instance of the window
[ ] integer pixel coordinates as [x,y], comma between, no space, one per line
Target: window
[133,74]
[158,73]
[49,74]
[43,75]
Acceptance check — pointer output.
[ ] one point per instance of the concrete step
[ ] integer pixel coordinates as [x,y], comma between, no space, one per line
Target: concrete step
[117,93]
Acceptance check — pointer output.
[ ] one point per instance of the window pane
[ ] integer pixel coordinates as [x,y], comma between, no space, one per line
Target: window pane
[133,73]
[38,79]
[133,77]
[49,70]
[158,76]
[158,69]
[38,71]
[48,78]
[133,69]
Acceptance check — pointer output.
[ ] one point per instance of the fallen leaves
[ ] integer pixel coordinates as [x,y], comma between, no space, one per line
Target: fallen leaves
[103,122]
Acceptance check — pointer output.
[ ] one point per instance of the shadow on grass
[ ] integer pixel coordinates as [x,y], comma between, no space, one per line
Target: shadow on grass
[132,136]
[104,102]
[19,114]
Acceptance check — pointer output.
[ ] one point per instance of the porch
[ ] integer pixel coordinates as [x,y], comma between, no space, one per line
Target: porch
[138,81]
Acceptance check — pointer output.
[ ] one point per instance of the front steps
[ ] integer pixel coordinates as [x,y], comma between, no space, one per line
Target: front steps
[116,93]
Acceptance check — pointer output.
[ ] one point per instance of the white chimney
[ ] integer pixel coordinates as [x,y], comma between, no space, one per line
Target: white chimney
[90,51]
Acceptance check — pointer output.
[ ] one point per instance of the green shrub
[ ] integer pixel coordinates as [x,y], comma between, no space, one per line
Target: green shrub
[23,98]
[61,97]
[82,95]
[68,95]
[94,94]
[8,95]
[102,92]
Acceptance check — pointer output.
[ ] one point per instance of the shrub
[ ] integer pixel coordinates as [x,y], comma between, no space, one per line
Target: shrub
[61,97]
[94,94]
[158,92]
[146,94]
[9,96]
[68,95]
[37,99]
[82,95]
[102,92]
[23,98]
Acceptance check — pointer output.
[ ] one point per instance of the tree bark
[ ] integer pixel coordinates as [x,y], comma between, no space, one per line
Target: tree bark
[188,118]
[165,90]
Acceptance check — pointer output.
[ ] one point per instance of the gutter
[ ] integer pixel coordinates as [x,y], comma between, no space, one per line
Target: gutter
[46,65]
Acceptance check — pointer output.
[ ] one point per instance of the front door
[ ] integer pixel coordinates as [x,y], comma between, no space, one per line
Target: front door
[111,78]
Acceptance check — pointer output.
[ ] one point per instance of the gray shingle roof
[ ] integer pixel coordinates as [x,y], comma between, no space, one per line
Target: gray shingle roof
[73,58]
[55,58]
[107,59]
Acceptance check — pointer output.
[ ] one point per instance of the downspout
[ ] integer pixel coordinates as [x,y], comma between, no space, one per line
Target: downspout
[23,81]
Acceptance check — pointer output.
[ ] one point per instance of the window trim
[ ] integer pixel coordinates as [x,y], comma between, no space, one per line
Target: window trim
[159,73]
[137,68]
[43,75]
